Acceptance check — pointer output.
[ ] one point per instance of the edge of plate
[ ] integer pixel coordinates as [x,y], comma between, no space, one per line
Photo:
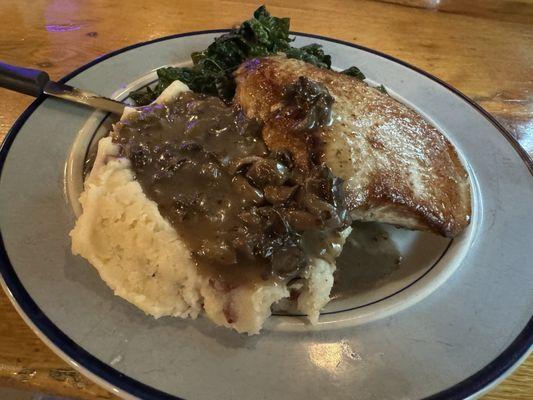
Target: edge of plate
[119,383]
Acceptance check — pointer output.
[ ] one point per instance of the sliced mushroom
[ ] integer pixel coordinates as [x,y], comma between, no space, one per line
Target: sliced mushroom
[300,220]
[279,195]
[287,261]
[250,194]
[267,172]
[242,164]
[273,221]
[323,210]
[251,217]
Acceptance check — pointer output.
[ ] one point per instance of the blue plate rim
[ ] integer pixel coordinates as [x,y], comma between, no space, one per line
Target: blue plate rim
[464,389]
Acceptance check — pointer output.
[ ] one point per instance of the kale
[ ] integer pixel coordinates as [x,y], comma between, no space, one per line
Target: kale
[355,72]
[312,54]
[212,69]
[144,96]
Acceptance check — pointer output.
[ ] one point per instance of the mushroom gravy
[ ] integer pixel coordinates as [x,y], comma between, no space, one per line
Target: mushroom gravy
[245,212]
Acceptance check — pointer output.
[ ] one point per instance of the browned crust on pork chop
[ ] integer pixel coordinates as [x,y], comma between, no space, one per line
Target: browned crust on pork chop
[397,167]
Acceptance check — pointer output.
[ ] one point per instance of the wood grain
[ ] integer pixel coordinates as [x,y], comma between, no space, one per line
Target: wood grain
[484,48]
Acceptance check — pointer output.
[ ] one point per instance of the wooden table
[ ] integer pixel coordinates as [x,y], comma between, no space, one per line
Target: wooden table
[484,48]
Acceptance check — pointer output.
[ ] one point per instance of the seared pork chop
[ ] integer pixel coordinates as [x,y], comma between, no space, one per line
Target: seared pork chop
[397,167]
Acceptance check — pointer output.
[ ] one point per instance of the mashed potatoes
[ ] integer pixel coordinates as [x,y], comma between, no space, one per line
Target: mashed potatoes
[143,260]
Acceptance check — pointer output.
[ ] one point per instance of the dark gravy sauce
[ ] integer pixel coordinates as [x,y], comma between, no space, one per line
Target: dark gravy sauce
[245,212]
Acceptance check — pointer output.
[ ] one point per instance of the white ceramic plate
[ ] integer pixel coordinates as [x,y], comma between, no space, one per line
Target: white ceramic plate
[449,321]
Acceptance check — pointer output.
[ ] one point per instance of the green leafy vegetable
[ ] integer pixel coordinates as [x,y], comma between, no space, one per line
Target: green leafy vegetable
[382,89]
[212,69]
[312,54]
[355,72]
